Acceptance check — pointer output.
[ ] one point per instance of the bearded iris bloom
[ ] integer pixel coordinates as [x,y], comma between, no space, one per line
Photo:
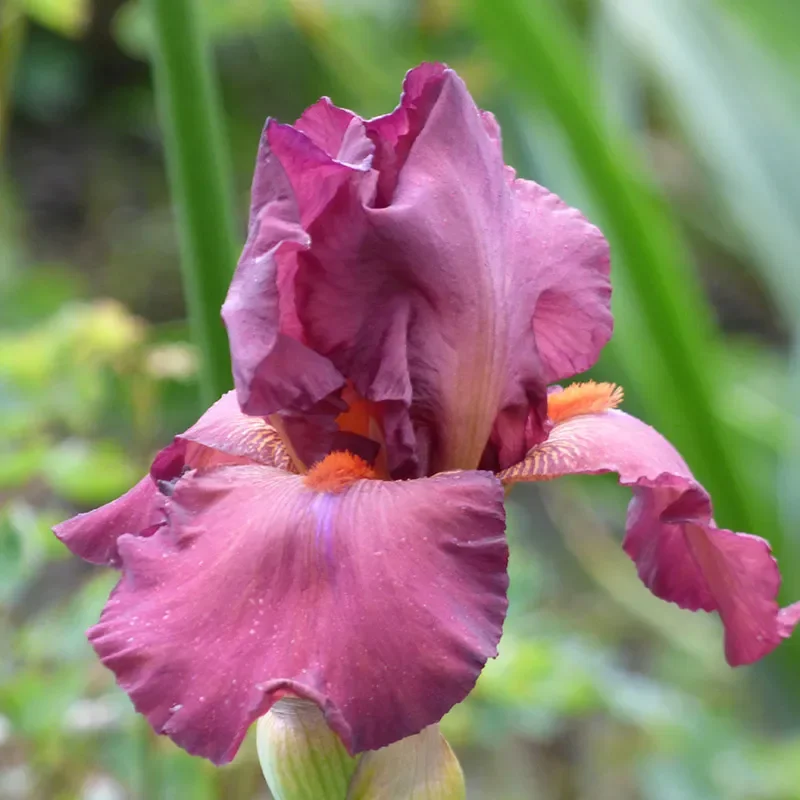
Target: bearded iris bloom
[335,529]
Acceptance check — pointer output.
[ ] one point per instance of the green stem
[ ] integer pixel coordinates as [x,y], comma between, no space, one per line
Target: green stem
[197,162]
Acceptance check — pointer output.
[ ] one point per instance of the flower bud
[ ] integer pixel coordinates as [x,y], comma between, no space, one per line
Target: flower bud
[301,757]
[421,766]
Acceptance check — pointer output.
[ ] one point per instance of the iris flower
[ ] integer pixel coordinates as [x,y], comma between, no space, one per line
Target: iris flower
[335,529]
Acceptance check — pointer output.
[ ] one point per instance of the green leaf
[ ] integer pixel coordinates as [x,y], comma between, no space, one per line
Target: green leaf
[197,161]
[741,116]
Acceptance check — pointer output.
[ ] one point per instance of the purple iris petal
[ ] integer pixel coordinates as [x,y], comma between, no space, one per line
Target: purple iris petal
[380,602]
[93,536]
[401,255]
[680,553]
[223,435]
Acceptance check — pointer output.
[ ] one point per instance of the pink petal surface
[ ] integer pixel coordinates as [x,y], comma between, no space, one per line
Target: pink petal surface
[337,132]
[680,553]
[380,603]
[394,134]
[223,435]
[273,370]
[93,536]
[402,255]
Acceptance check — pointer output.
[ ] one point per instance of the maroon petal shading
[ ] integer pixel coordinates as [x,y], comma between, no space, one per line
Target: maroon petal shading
[381,603]
[93,536]
[680,553]
[402,255]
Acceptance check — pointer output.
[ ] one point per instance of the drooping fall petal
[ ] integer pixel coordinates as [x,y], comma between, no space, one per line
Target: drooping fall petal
[93,536]
[380,601]
[680,553]
[400,254]
[223,435]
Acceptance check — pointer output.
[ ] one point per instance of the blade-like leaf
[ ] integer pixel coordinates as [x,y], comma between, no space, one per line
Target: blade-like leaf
[197,160]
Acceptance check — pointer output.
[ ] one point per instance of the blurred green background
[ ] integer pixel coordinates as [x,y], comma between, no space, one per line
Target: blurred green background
[673,124]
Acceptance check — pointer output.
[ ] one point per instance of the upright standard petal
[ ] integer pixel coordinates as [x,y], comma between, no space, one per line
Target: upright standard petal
[484,254]
[422,272]
[273,369]
[379,601]
[680,553]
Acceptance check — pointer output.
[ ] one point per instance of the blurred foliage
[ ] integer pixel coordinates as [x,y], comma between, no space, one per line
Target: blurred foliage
[227,21]
[673,124]
[68,17]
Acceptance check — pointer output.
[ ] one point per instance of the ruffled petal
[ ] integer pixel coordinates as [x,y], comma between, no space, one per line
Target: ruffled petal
[680,553]
[380,603]
[273,370]
[571,317]
[223,435]
[423,272]
[490,256]
[337,132]
[393,134]
[93,536]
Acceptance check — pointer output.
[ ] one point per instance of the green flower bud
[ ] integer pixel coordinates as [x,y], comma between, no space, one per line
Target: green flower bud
[421,767]
[301,757]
